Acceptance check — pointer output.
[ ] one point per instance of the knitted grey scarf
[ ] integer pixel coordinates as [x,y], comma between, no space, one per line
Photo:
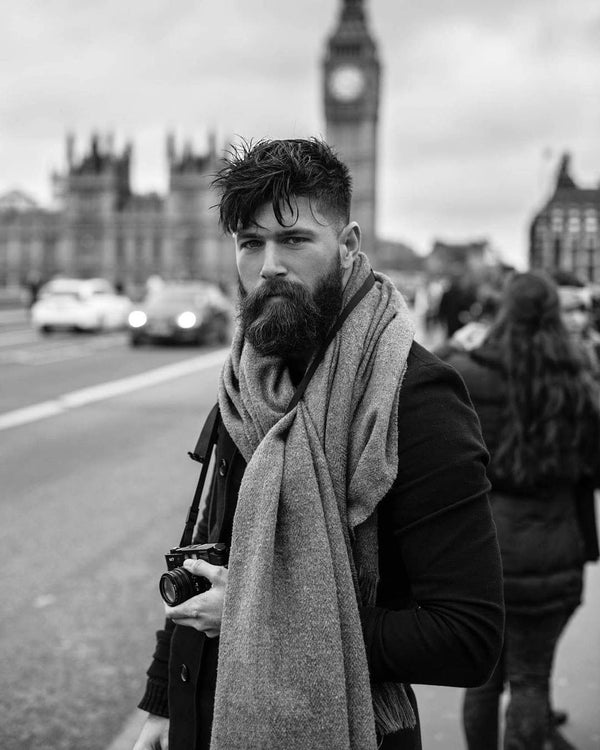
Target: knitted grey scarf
[292,668]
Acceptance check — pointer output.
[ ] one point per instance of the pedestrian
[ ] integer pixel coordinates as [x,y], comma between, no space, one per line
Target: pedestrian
[363,555]
[456,303]
[577,315]
[473,333]
[540,420]
[576,312]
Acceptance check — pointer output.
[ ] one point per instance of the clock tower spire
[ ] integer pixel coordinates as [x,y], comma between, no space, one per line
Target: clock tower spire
[351,77]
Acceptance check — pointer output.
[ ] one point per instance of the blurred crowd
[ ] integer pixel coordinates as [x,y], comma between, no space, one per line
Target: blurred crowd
[528,348]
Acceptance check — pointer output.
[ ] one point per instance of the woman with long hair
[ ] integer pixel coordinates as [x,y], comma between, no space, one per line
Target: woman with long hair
[540,418]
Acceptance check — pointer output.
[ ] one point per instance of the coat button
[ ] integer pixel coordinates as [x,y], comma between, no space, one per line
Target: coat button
[222,467]
[185,673]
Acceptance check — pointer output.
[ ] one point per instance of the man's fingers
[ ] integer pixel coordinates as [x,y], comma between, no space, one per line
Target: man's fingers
[203,568]
[192,608]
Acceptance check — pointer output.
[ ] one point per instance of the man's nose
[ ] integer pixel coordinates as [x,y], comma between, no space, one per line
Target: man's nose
[272,263]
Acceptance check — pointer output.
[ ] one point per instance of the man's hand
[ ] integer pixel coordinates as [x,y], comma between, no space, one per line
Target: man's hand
[154,734]
[204,611]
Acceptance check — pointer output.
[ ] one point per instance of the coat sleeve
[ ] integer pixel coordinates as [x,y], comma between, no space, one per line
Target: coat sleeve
[440,614]
[155,698]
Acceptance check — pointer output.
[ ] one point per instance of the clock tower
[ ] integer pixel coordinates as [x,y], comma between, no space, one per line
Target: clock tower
[351,74]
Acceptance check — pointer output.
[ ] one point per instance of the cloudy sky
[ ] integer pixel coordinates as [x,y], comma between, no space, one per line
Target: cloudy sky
[479,98]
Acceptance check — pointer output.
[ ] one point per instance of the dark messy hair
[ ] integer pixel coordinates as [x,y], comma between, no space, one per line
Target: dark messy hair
[276,172]
[551,411]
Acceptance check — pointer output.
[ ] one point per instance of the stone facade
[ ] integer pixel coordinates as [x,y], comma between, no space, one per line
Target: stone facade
[565,233]
[102,228]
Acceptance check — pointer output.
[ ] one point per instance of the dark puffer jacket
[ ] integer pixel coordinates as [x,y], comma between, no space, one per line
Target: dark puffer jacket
[542,539]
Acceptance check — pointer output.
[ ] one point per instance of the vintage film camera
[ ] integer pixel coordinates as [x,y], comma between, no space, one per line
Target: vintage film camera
[178,585]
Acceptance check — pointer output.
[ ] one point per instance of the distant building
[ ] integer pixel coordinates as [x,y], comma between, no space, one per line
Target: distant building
[452,259]
[351,78]
[102,228]
[17,201]
[29,238]
[397,256]
[565,233]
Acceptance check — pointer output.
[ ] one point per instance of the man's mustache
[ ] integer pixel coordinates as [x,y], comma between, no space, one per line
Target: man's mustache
[275,288]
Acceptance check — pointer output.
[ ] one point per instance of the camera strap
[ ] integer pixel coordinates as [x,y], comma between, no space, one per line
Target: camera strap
[201,453]
[208,435]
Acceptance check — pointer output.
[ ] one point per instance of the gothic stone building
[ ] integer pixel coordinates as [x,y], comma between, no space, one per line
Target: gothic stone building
[102,228]
[565,234]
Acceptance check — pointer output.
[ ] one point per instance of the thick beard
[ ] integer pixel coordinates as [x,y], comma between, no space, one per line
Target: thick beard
[296,323]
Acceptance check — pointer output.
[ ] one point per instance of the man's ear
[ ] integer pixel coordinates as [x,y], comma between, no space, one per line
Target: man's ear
[349,244]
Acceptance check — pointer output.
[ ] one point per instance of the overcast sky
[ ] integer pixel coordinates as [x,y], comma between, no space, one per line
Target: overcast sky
[479,97]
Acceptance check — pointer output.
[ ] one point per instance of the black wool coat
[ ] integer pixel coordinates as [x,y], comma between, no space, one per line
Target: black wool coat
[547,531]
[439,614]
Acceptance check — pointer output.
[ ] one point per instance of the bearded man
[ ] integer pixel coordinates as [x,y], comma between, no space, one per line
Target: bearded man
[350,487]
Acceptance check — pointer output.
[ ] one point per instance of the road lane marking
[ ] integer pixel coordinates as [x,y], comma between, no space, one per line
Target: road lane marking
[112,388]
[30,414]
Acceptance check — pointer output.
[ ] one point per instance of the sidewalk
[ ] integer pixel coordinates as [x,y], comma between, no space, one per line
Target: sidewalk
[576,683]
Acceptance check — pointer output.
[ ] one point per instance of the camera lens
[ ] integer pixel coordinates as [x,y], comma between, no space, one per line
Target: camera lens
[176,586]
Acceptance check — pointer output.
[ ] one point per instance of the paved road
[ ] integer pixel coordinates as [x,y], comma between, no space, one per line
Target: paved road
[89,499]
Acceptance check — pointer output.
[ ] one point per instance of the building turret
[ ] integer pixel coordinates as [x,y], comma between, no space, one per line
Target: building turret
[564,179]
[194,242]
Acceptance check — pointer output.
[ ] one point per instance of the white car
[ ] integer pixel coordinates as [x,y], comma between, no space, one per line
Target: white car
[80,304]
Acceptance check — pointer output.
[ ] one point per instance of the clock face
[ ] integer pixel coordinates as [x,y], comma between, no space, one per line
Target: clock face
[347,83]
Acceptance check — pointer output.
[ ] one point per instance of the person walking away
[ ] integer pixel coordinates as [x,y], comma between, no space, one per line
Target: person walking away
[541,422]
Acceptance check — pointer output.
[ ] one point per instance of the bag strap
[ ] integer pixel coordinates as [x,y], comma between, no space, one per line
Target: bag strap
[208,435]
[201,453]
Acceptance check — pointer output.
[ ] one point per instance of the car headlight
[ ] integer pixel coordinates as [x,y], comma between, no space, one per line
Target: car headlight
[137,318]
[186,320]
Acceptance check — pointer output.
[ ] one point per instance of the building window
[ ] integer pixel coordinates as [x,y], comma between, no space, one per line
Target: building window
[591,221]
[557,219]
[574,220]
[157,253]
[139,269]
[591,261]
[557,253]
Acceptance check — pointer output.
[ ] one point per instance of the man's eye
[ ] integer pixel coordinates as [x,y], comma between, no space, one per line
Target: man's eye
[295,240]
[250,244]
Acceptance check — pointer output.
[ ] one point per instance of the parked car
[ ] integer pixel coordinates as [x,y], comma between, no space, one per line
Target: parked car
[80,304]
[182,312]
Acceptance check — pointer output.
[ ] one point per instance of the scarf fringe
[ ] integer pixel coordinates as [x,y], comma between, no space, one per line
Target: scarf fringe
[392,708]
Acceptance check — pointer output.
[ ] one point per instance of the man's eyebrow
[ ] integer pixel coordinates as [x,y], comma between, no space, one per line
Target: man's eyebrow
[293,231]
